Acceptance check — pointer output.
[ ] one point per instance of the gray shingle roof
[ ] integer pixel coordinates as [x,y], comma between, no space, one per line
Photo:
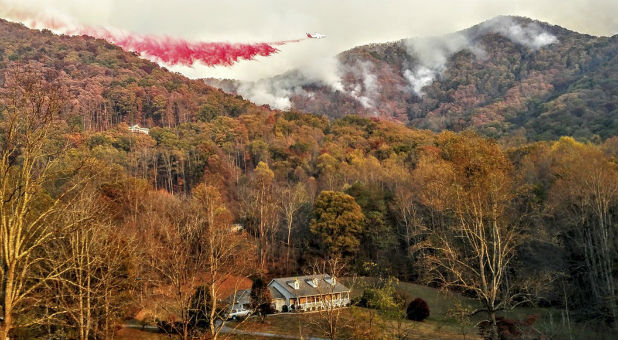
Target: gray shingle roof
[306,289]
[275,293]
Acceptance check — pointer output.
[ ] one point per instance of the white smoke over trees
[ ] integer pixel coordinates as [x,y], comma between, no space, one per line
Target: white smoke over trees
[277,91]
[432,53]
[430,56]
[367,91]
[530,35]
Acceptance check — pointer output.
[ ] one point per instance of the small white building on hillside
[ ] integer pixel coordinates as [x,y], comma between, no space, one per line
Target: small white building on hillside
[138,129]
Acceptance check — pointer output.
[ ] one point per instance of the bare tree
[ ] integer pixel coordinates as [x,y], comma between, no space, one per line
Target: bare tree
[330,318]
[260,208]
[474,249]
[229,257]
[29,209]
[292,198]
[96,287]
[586,195]
[171,270]
[196,262]
[405,204]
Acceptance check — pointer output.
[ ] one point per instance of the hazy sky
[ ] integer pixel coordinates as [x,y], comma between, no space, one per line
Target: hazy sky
[347,23]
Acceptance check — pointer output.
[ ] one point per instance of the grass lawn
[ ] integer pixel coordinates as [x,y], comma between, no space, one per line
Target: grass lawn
[363,323]
[356,323]
[138,334]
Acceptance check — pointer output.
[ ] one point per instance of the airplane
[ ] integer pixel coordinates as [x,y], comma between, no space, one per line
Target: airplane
[315,35]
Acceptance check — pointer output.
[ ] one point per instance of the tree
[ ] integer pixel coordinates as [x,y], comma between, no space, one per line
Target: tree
[329,320]
[405,205]
[261,297]
[96,287]
[338,222]
[380,239]
[30,204]
[474,250]
[584,197]
[174,260]
[260,209]
[196,260]
[462,314]
[292,198]
[228,255]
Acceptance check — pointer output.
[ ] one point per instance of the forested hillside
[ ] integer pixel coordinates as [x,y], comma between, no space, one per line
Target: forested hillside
[108,86]
[100,225]
[509,76]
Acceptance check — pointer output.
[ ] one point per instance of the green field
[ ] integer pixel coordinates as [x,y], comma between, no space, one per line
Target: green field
[365,323]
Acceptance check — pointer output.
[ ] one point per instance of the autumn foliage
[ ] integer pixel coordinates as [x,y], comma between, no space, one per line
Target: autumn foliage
[158,210]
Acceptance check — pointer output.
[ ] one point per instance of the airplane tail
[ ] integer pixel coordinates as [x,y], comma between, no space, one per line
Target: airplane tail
[309,35]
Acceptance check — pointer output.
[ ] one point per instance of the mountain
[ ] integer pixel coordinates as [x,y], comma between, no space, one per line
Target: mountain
[509,76]
[108,85]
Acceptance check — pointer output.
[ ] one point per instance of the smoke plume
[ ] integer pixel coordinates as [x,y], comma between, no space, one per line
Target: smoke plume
[366,92]
[276,91]
[431,54]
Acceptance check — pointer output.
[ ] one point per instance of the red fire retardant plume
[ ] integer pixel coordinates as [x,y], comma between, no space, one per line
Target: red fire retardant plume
[171,51]
[174,51]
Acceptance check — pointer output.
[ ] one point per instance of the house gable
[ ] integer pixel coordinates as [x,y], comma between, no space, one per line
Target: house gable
[281,289]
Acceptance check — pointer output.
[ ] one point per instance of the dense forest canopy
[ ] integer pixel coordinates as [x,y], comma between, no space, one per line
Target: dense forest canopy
[479,78]
[94,216]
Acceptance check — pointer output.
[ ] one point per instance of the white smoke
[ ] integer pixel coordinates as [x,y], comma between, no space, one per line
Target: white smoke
[432,53]
[430,57]
[276,91]
[419,78]
[530,35]
[367,92]
[265,92]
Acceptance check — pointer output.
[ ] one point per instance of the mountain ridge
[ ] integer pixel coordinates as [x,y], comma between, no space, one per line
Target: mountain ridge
[109,85]
[508,76]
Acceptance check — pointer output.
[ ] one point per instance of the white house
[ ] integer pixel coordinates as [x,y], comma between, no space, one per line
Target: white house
[137,128]
[237,228]
[306,293]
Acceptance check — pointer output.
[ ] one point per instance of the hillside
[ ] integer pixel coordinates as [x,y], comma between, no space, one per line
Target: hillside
[100,225]
[108,85]
[506,76]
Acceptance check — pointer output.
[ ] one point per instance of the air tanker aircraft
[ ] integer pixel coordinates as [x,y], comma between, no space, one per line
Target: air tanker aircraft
[315,35]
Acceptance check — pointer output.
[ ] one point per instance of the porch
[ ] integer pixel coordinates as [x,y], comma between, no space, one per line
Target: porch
[320,302]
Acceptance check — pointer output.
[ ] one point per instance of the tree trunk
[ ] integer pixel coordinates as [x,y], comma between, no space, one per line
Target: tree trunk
[287,256]
[493,332]
[5,326]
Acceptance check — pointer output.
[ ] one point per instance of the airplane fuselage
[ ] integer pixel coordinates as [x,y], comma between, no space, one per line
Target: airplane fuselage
[315,35]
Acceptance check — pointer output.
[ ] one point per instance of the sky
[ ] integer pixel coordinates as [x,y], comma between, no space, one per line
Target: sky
[347,23]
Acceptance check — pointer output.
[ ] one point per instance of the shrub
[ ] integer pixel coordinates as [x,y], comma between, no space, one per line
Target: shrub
[418,310]
[384,298]
[511,329]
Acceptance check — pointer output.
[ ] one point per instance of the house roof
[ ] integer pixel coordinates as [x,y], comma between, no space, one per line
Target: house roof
[305,286]
[275,293]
